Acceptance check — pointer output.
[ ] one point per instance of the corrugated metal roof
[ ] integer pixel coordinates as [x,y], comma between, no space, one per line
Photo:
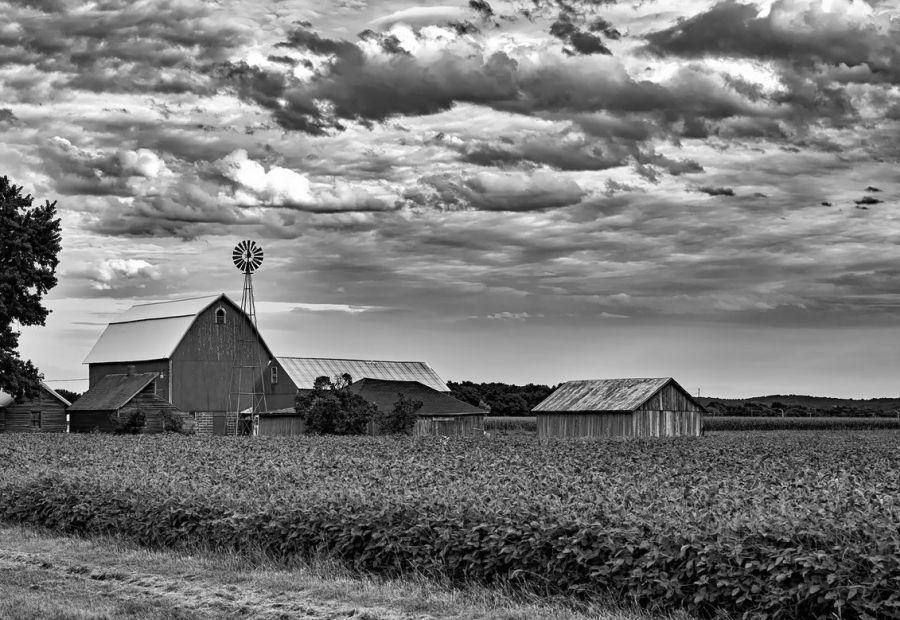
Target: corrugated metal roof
[139,341]
[385,393]
[150,331]
[112,392]
[602,395]
[7,399]
[303,371]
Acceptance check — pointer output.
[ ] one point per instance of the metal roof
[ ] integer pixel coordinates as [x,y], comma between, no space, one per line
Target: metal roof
[303,371]
[113,392]
[150,331]
[602,395]
[385,393]
[7,399]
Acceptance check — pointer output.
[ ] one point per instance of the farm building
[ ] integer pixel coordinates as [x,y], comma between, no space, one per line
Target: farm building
[619,407]
[114,398]
[190,345]
[288,375]
[279,423]
[440,414]
[44,414]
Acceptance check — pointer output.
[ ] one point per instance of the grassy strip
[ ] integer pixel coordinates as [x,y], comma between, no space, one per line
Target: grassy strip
[754,423]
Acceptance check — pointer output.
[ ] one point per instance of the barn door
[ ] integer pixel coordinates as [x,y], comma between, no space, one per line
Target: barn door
[218,424]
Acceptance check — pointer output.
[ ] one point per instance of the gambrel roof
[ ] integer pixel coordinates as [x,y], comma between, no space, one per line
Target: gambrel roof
[151,331]
[113,392]
[605,395]
[303,371]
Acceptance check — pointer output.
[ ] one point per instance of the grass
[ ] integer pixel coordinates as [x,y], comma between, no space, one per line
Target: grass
[44,575]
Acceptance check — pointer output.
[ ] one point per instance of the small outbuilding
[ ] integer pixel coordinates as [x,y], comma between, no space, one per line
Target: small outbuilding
[114,398]
[46,413]
[440,414]
[619,407]
[279,423]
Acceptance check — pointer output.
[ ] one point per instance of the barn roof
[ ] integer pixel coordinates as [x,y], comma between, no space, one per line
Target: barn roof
[113,392]
[603,394]
[303,371]
[7,399]
[385,393]
[150,331]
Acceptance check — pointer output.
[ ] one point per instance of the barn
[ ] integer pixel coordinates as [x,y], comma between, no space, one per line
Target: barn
[440,414]
[45,413]
[290,375]
[190,345]
[619,407]
[116,397]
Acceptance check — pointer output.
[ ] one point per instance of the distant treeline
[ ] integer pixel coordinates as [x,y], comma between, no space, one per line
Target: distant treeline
[803,406]
[501,398]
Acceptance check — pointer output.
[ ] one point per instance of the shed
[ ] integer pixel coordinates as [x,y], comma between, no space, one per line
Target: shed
[290,375]
[279,423]
[440,414]
[619,407]
[46,413]
[190,344]
[115,397]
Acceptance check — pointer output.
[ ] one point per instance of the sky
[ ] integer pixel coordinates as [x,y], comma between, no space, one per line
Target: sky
[527,191]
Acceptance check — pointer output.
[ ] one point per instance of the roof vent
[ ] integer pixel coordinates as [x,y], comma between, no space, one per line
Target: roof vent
[131,369]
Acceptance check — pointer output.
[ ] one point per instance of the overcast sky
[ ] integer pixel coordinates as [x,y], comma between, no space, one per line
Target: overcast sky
[705,190]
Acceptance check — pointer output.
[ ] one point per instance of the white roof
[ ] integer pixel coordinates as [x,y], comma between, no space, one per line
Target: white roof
[148,331]
[303,371]
[7,399]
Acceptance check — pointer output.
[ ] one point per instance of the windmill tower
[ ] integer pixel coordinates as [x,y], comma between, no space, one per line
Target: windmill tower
[246,397]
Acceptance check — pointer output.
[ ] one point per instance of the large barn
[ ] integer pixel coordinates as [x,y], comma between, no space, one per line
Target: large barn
[619,407]
[290,375]
[46,413]
[440,413]
[189,344]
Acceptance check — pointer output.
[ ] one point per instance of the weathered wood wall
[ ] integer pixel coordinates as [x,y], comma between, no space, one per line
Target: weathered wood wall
[280,425]
[98,371]
[90,421]
[582,424]
[152,405]
[670,398]
[667,423]
[282,394]
[201,365]
[16,418]
[449,426]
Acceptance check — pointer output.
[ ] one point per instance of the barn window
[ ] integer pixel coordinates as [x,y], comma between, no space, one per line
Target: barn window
[273,374]
[35,419]
[220,316]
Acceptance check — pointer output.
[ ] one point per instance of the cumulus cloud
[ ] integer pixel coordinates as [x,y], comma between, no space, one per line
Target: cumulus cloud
[496,191]
[113,271]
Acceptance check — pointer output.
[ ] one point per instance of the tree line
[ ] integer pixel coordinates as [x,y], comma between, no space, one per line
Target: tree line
[502,399]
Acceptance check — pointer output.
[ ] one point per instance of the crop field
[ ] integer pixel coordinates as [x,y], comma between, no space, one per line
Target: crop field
[758,423]
[791,525]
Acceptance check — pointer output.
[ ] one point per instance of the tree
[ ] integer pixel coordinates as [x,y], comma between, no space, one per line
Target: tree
[332,409]
[29,245]
[401,419]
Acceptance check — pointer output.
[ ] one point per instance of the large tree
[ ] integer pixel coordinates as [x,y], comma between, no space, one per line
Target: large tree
[29,245]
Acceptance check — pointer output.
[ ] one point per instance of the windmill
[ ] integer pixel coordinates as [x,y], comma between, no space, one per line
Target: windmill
[247,368]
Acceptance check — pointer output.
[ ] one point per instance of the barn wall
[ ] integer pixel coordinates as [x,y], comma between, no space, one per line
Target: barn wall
[152,406]
[449,426]
[18,415]
[202,363]
[98,371]
[667,423]
[282,425]
[90,421]
[670,398]
[281,394]
[584,425]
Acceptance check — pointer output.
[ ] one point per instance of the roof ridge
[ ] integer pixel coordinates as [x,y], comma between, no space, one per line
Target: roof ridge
[171,301]
[348,359]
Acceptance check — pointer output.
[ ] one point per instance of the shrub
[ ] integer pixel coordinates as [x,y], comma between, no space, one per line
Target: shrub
[332,409]
[129,424]
[401,419]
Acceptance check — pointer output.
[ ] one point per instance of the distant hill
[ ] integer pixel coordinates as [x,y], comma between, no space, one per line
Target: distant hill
[794,405]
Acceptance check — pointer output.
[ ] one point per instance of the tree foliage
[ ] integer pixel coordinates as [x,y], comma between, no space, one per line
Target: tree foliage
[503,399]
[332,409]
[401,419]
[29,245]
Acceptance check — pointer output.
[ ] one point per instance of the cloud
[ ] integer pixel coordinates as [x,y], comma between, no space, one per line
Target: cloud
[113,271]
[495,191]
[716,191]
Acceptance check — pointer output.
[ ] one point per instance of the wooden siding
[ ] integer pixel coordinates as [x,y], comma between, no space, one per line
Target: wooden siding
[146,401]
[98,371]
[281,425]
[667,423]
[201,364]
[584,425]
[670,398]
[282,394]
[449,426]
[16,418]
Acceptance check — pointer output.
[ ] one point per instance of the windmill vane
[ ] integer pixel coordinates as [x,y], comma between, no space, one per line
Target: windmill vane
[247,256]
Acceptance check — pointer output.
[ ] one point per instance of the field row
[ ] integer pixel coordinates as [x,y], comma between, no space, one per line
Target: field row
[760,525]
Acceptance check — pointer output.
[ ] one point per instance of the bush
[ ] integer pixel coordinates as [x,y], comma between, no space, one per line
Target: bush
[129,424]
[332,409]
[401,419]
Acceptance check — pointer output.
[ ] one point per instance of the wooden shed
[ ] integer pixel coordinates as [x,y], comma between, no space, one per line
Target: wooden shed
[619,407]
[111,400]
[190,344]
[279,423]
[440,414]
[45,413]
